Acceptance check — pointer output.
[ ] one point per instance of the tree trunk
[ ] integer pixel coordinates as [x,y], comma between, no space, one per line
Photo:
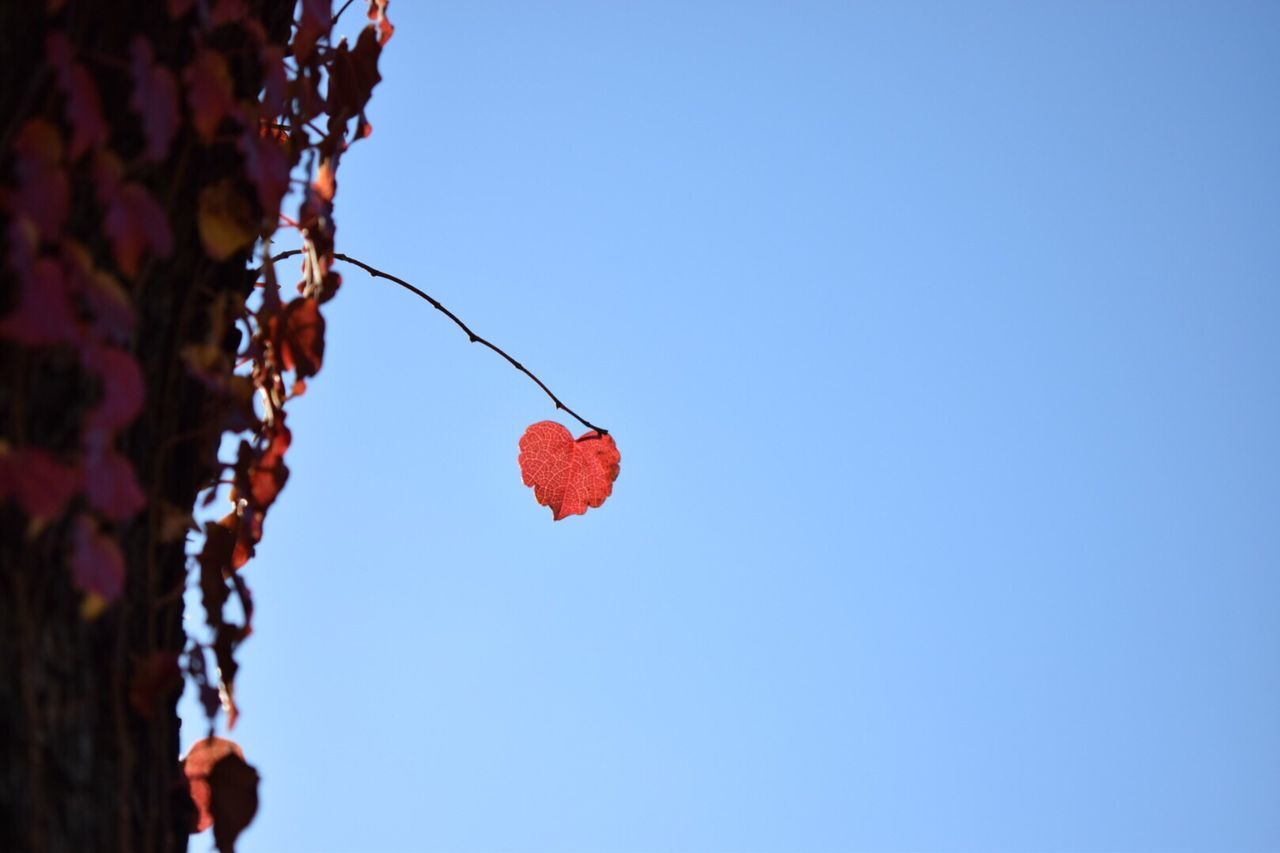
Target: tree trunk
[88,756]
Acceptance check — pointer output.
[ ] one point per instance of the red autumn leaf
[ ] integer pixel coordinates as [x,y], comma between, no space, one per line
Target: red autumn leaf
[302,339]
[225,218]
[123,388]
[269,474]
[568,476]
[97,564]
[247,528]
[39,483]
[44,313]
[111,486]
[209,91]
[155,98]
[197,766]
[325,184]
[155,678]
[43,194]
[135,221]
[84,106]
[266,162]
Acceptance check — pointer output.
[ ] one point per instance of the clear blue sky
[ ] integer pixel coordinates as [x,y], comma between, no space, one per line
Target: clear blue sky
[941,345]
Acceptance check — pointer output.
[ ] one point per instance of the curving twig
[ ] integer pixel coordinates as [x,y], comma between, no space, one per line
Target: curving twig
[472,336]
[338,14]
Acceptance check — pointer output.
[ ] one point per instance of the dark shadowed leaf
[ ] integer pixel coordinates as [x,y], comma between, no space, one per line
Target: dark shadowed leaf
[39,483]
[43,192]
[84,106]
[135,221]
[234,799]
[157,677]
[266,162]
[209,91]
[111,487]
[97,565]
[123,388]
[110,305]
[44,313]
[302,337]
[197,767]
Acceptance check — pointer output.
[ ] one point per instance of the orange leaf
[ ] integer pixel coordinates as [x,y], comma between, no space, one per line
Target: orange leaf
[155,678]
[111,306]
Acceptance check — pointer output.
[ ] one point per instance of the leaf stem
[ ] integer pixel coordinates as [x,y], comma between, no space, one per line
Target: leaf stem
[472,336]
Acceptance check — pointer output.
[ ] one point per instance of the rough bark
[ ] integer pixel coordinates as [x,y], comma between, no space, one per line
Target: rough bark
[80,768]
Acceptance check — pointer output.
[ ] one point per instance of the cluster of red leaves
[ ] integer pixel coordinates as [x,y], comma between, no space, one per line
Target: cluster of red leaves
[62,164]
[302,119]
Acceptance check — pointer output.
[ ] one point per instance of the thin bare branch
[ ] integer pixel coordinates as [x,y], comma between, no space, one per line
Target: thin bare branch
[339,12]
[472,336]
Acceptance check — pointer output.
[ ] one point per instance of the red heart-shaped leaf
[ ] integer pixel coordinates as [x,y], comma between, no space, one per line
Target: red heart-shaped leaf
[568,476]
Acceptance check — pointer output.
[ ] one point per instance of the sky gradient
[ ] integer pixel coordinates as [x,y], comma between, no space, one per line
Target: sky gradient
[940,344]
